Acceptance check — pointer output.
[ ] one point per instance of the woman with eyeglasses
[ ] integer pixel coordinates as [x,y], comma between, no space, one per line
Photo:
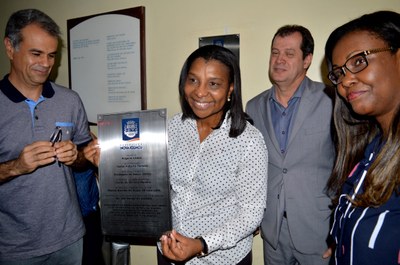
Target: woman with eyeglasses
[363,57]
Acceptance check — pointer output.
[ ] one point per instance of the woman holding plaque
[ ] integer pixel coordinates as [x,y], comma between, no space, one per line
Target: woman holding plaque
[218,166]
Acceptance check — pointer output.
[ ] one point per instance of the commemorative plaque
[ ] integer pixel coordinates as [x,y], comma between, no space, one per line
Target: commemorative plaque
[134,179]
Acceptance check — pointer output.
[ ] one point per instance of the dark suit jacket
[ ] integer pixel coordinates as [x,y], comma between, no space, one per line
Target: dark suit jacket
[297,179]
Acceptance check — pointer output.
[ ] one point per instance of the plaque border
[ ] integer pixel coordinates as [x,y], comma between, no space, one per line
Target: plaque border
[140,239]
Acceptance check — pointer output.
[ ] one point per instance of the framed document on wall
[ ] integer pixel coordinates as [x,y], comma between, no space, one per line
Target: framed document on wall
[107,61]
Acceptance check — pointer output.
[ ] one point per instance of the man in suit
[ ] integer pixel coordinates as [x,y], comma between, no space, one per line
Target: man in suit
[295,118]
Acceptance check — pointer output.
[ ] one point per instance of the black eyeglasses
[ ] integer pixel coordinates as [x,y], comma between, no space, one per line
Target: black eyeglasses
[354,64]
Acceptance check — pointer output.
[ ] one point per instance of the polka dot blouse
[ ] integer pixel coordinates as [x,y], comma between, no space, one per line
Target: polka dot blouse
[218,187]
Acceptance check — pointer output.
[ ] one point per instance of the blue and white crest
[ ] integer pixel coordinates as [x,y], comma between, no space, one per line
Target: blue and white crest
[130,129]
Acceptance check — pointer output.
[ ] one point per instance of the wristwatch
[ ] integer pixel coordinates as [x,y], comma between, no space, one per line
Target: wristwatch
[204,250]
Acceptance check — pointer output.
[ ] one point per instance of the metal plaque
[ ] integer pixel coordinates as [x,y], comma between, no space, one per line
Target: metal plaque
[134,179]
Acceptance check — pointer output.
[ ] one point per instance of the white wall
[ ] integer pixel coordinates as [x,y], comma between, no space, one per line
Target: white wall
[172,31]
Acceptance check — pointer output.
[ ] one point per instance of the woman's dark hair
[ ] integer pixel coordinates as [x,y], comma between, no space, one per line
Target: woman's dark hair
[385,25]
[235,106]
[355,132]
[25,17]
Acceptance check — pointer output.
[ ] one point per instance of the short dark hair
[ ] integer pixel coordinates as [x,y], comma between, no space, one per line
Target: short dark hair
[383,24]
[25,17]
[307,43]
[235,106]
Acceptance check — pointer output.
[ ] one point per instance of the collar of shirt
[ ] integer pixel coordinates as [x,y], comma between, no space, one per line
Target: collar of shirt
[14,95]
[282,117]
[225,124]
[297,94]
